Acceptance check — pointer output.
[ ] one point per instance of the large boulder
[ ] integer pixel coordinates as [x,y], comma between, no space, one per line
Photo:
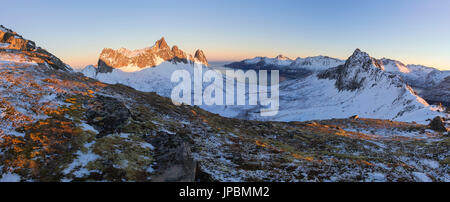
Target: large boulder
[437,124]
[173,157]
[107,115]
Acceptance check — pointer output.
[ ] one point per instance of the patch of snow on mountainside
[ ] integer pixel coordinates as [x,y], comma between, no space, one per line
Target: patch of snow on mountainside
[89,71]
[394,66]
[415,75]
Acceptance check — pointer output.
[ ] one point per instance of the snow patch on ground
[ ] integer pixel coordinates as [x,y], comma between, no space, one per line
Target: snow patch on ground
[10,177]
[82,161]
[421,177]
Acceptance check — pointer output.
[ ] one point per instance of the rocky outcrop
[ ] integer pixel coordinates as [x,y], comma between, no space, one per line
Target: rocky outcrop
[147,57]
[14,42]
[174,159]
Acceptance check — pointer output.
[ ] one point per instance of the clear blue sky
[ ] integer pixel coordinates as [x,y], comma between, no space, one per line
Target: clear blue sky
[413,31]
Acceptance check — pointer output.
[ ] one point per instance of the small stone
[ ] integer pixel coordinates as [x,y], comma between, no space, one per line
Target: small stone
[354,117]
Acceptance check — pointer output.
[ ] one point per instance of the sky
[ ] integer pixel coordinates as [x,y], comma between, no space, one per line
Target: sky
[412,31]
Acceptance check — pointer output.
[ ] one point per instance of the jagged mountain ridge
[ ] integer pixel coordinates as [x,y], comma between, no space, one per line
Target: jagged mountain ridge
[57,125]
[148,57]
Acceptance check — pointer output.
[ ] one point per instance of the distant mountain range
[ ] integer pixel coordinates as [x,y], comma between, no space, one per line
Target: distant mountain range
[428,82]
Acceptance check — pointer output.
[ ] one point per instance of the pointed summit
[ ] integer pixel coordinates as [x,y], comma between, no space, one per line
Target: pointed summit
[361,59]
[162,44]
[359,54]
[358,71]
[200,56]
[282,57]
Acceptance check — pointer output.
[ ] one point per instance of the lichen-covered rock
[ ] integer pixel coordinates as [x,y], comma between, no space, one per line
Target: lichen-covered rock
[174,159]
[107,115]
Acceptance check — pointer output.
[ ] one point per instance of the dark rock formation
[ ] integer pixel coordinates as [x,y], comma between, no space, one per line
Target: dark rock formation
[174,159]
[355,117]
[107,115]
[437,124]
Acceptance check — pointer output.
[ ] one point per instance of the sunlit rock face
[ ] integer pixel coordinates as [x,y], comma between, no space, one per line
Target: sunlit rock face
[11,42]
[146,57]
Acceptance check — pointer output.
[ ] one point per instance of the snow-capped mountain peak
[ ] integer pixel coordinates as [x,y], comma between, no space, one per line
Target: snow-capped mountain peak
[282,57]
[359,70]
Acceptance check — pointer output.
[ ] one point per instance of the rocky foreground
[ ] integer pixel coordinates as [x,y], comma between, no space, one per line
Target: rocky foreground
[58,125]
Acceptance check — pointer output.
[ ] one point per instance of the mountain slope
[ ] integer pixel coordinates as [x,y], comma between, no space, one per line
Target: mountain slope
[428,82]
[439,93]
[58,125]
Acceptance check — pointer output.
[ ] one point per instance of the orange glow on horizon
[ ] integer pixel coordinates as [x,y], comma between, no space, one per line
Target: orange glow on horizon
[79,61]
